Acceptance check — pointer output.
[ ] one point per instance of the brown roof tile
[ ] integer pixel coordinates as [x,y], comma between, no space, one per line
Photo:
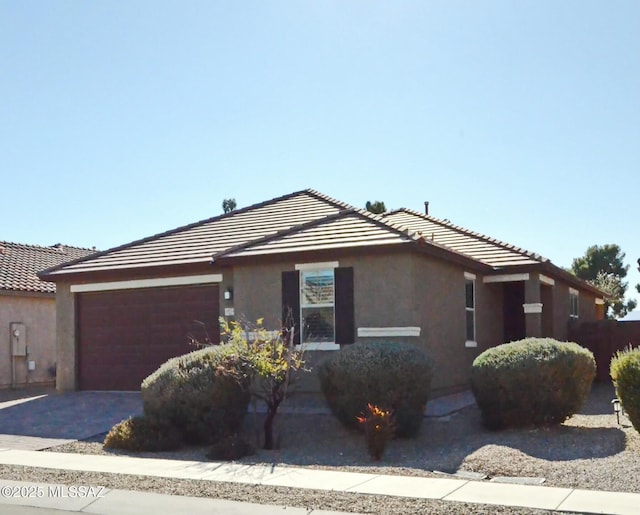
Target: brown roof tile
[474,245]
[196,243]
[301,221]
[20,263]
[346,229]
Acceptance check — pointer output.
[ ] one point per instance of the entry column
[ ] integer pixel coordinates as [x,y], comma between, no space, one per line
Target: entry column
[532,306]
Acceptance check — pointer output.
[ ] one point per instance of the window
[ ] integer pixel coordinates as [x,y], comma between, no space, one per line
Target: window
[573,303]
[317,301]
[470,307]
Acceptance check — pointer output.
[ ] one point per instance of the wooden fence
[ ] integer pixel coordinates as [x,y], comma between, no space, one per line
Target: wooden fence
[604,338]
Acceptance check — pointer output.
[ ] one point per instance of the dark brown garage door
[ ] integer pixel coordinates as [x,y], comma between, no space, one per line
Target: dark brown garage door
[125,335]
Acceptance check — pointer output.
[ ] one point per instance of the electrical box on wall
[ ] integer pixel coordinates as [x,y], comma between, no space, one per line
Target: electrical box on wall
[18,335]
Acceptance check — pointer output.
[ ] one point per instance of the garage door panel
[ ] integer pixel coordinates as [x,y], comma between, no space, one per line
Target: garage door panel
[123,336]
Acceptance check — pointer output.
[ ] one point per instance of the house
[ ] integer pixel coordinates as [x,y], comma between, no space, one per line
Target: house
[28,312]
[339,273]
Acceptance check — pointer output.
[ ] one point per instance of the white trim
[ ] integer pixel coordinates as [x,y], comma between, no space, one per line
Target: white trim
[470,344]
[135,284]
[505,278]
[534,307]
[546,280]
[573,291]
[373,332]
[469,276]
[318,266]
[600,301]
[318,346]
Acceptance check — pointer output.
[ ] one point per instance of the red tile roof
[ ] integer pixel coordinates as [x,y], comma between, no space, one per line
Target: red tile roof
[20,263]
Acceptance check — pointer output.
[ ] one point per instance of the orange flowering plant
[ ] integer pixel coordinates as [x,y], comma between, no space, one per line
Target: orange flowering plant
[379,427]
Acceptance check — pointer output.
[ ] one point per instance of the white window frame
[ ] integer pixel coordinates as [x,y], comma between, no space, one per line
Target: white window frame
[574,294]
[470,278]
[317,267]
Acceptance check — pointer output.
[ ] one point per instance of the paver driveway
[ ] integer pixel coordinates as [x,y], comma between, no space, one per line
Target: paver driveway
[64,416]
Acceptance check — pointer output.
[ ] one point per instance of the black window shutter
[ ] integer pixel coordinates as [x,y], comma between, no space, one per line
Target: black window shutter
[345,316]
[291,302]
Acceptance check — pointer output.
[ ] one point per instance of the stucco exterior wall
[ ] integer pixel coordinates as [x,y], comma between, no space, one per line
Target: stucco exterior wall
[65,338]
[489,314]
[391,290]
[37,313]
[561,307]
[587,307]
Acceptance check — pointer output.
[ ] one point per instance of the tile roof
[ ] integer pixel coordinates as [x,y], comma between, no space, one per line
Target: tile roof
[20,263]
[481,248]
[346,229]
[196,243]
[301,221]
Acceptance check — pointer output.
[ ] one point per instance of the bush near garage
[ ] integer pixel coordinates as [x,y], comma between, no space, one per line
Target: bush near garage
[531,382]
[395,375]
[625,373]
[204,394]
[143,434]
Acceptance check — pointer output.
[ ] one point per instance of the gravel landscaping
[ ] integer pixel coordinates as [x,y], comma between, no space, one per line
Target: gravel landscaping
[589,451]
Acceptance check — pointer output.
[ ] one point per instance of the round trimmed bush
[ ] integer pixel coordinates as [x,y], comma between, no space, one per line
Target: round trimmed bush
[625,372]
[531,382]
[205,394]
[143,434]
[395,376]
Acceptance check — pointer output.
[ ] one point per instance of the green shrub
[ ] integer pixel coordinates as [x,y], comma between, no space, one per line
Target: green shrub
[394,375]
[535,381]
[230,448]
[204,394]
[625,372]
[142,434]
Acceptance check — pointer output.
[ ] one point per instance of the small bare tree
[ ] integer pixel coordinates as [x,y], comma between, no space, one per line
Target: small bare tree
[275,362]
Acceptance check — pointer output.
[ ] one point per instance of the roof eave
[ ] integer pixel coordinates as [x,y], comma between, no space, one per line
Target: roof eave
[554,272]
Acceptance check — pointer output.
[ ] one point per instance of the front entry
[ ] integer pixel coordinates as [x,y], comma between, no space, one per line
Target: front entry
[513,312]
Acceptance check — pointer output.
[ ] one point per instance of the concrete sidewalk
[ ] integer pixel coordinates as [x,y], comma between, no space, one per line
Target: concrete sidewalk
[48,498]
[447,488]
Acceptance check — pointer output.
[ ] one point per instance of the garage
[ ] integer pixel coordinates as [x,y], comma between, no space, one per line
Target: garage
[124,335]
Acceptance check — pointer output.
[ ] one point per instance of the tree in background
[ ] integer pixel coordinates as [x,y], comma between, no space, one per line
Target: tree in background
[228,205]
[377,207]
[638,285]
[603,267]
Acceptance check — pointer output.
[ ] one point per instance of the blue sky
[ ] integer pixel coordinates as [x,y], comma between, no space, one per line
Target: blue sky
[520,120]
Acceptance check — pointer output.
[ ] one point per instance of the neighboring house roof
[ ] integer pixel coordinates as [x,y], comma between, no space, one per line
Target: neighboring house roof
[19,265]
[309,221]
[476,246]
